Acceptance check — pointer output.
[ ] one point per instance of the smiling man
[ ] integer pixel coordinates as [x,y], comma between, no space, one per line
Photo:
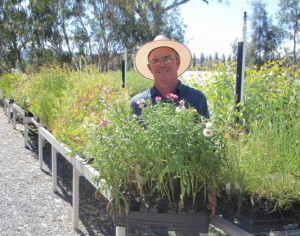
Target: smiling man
[163,60]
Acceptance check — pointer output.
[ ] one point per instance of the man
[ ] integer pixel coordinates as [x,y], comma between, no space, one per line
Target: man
[163,60]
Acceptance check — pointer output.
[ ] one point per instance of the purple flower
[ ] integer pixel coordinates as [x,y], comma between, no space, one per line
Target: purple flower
[104,122]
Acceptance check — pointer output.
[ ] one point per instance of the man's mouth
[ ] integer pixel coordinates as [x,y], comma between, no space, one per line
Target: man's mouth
[163,71]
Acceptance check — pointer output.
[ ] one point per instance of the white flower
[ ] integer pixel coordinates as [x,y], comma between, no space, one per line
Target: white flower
[180,108]
[141,101]
[208,125]
[207,133]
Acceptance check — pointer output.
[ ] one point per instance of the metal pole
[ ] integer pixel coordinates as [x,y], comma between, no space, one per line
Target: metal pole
[244,56]
[238,75]
[124,68]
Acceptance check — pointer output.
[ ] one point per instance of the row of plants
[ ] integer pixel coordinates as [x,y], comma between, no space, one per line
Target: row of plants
[262,148]
[166,155]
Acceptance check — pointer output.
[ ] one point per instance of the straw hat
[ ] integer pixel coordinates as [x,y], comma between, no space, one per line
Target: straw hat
[141,57]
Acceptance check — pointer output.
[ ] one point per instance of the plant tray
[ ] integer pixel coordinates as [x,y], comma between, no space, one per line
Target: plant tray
[255,219]
[171,221]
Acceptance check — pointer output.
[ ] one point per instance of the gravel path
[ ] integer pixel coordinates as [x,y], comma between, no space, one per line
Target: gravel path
[28,205]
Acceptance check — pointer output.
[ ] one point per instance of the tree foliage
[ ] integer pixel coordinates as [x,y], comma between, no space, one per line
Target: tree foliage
[38,32]
[289,16]
[265,36]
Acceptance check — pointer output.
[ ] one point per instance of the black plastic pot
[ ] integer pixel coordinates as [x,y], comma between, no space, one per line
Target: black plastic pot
[256,219]
[147,220]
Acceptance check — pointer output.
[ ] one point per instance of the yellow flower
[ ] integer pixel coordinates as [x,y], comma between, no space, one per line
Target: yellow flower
[193,111]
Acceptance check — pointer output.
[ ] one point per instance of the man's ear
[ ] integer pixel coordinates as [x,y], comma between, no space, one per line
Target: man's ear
[149,67]
[178,62]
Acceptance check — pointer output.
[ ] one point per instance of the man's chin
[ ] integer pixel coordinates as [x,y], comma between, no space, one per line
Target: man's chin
[164,75]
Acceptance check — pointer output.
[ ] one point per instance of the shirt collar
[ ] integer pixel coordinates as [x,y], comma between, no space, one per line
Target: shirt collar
[178,89]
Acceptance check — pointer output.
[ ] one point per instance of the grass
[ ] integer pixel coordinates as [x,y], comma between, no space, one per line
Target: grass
[265,162]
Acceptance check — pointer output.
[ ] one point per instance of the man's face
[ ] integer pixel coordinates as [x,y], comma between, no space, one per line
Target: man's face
[163,64]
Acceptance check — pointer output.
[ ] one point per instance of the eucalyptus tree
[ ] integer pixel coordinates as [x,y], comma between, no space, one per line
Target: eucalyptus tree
[113,25]
[289,16]
[265,36]
[46,38]
[142,20]
[13,34]
[99,30]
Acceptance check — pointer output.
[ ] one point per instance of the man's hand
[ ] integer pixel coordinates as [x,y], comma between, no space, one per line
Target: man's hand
[212,200]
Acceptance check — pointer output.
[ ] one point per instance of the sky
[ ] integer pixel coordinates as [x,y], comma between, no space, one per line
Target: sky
[215,26]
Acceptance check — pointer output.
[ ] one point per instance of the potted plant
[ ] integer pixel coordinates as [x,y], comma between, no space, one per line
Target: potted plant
[262,180]
[161,162]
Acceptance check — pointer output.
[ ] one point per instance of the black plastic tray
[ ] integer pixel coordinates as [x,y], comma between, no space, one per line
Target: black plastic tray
[171,221]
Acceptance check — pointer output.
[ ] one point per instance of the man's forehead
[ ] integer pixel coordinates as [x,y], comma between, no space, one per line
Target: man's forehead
[167,49]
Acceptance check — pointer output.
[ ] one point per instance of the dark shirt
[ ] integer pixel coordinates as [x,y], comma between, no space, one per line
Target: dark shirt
[193,98]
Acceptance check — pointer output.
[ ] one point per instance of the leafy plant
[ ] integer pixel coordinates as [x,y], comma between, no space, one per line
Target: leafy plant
[46,93]
[88,101]
[161,155]
[7,85]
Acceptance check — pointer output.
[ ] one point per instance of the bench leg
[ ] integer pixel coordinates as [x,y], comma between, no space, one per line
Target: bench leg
[54,168]
[26,130]
[40,143]
[120,231]
[76,176]
[14,118]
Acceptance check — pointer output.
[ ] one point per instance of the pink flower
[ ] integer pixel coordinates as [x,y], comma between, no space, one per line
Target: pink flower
[104,122]
[157,98]
[172,96]
[135,116]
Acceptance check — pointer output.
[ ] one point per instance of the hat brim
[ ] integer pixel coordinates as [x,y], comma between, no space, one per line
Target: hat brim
[141,57]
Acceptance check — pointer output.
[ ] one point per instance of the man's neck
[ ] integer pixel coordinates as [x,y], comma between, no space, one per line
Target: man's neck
[165,88]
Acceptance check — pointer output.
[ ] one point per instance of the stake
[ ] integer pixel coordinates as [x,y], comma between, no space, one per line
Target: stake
[239,75]
[244,56]
[124,68]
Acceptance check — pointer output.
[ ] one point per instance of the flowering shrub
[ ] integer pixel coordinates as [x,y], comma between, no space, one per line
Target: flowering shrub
[8,85]
[46,94]
[161,155]
[87,105]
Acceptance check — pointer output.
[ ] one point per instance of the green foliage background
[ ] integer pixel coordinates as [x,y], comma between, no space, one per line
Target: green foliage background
[260,152]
